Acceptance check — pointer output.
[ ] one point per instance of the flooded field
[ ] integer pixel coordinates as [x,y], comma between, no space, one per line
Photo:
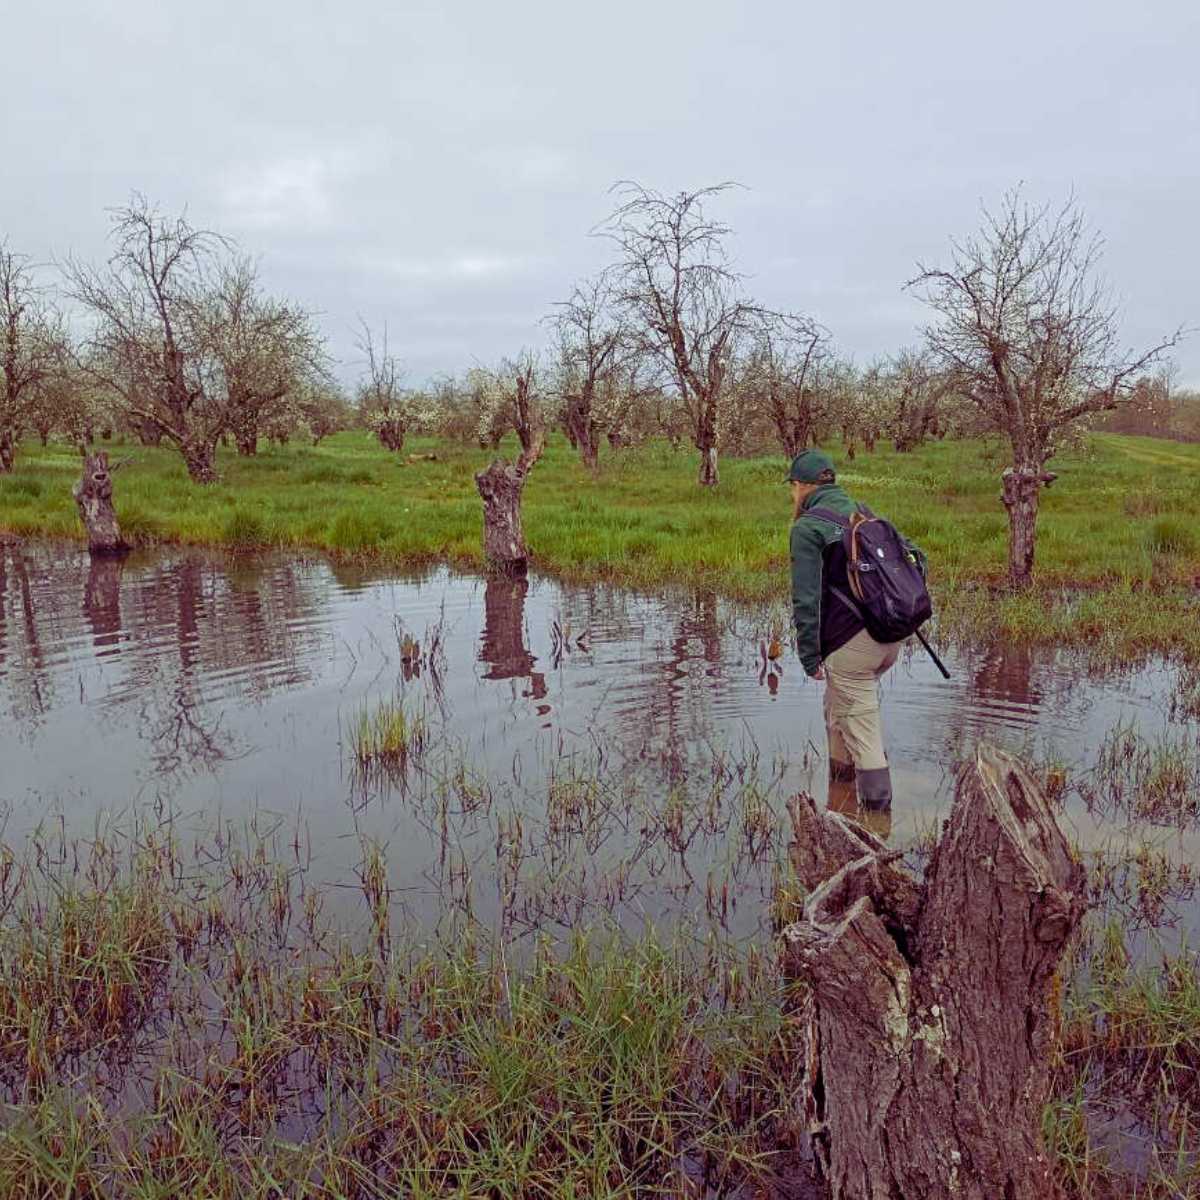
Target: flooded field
[426,885]
[564,753]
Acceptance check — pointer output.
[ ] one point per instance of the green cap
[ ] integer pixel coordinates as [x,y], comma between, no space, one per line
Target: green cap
[808,466]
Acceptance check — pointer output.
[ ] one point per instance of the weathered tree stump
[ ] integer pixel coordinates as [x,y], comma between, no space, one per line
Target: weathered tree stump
[500,487]
[502,484]
[93,496]
[929,1003]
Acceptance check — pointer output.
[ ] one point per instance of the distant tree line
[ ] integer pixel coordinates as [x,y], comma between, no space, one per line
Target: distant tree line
[181,344]
[1157,408]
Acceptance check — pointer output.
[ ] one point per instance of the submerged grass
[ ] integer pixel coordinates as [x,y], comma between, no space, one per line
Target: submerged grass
[1115,529]
[1147,780]
[173,1031]
[387,736]
[1130,1057]
[200,1015]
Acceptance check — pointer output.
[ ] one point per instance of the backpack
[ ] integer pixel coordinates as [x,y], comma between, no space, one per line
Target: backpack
[889,591]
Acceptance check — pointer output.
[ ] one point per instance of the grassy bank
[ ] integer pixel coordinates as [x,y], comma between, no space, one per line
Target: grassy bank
[1120,525]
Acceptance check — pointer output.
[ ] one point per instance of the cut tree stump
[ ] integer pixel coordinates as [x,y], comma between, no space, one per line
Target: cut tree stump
[929,1003]
[93,496]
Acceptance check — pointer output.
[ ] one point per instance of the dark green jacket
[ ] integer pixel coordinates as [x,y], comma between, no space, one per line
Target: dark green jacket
[810,595]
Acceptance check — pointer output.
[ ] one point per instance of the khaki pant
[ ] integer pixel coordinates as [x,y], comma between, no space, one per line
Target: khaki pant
[852,718]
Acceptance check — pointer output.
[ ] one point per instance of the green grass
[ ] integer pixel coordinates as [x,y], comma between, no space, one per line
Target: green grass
[386,736]
[1116,528]
[1155,781]
[1130,1046]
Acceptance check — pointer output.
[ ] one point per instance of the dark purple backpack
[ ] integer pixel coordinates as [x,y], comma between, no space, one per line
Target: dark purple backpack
[887,585]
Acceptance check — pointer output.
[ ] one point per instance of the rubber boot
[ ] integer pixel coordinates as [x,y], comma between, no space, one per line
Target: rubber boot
[875,789]
[843,795]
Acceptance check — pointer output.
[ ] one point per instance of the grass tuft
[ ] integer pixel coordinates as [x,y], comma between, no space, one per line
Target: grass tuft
[244,530]
[1170,535]
[388,736]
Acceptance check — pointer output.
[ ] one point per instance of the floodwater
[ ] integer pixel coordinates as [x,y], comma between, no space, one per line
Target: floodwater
[588,750]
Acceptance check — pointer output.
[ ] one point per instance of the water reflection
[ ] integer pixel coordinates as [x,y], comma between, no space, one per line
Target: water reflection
[502,643]
[843,798]
[583,741]
[102,602]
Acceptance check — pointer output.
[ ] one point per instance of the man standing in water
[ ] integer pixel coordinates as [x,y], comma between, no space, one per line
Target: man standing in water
[832,640]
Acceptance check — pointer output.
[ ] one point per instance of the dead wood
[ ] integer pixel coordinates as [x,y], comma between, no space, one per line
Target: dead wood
[929,1002]
[93,497]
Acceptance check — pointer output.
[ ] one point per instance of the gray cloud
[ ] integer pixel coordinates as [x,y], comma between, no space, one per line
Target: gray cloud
[440,165]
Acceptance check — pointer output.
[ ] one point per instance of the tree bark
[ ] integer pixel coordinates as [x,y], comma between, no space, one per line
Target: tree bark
[247,445]
[929,1003]
[391,435]
[1021,495]
[93,497]
[501,487]
[149,434]
[706,441]
[200,459]
[7,451]
[581,430]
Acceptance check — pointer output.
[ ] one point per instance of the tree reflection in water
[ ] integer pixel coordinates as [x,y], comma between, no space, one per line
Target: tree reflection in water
[102,603]
[502,645]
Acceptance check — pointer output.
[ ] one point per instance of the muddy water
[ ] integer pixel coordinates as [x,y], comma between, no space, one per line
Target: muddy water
[589,751]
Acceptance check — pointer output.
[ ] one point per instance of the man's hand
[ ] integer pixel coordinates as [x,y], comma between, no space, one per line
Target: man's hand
[819,673]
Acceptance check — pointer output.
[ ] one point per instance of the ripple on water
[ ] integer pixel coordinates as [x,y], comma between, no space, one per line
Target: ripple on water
[220,683]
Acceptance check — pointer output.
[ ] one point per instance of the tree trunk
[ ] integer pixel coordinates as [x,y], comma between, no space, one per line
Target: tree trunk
[929,1004]
[7,451]
[391,435]
[93,497]
[149,433]
[581,431]
[706,442]
[1022,490]
[200,459]
[247,445]
[501,487]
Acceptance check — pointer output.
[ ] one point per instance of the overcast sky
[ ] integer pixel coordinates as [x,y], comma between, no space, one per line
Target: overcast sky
[439,165]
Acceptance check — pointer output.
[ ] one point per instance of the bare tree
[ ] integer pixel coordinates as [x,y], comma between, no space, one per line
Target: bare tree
[70,404]
[151,342]
[593,347]
[385,405]
[835,401]
[30,350]
[679,294]
[916,397]
[1150,408]
[1031,332]
[513,398]
[264,347]
[321,407]
[786,353]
